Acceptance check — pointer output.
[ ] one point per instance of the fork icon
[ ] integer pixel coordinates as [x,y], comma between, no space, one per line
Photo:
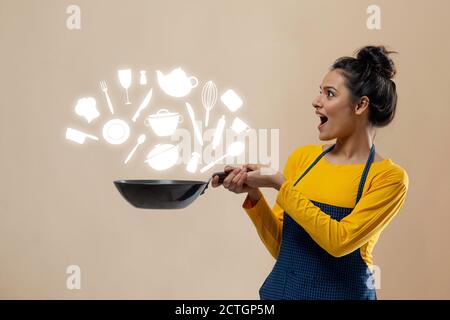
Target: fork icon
[105,90]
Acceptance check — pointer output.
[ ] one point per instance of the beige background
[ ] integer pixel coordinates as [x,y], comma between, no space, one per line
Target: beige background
[58,204]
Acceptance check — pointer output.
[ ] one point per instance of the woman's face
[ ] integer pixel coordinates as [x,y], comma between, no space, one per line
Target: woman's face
[333,105]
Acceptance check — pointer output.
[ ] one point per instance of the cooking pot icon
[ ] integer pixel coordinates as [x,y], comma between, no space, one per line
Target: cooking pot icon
[164,123]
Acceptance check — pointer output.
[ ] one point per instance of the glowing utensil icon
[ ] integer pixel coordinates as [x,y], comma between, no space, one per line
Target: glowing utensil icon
[239,126]
[218,133]
[141,140]
[233,150]
[164,123]
[86,107]
[163,156]
[209,98]
[116,131]
[231,100]
[176,83]
[78,136]
[193,162]
[143,105]
[198,135]
[104,88]
[125,81]
[143,77]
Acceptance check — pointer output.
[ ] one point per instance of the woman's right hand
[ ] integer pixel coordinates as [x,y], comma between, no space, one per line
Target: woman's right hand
[234,181]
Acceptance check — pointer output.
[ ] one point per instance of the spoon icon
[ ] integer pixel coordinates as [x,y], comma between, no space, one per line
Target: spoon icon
[233,150]
[141,140]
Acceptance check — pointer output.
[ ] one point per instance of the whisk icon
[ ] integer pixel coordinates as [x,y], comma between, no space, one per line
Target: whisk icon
[209,98]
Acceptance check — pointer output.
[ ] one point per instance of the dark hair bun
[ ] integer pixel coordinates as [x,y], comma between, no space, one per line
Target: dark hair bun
[377,58]
[370,74]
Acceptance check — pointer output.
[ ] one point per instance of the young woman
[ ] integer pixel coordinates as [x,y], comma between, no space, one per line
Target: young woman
[333,200]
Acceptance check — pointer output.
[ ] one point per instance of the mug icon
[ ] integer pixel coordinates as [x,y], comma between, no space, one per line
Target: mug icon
[239,126]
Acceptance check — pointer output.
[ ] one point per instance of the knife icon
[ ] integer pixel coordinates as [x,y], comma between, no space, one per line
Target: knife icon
[143,105]
[198,135]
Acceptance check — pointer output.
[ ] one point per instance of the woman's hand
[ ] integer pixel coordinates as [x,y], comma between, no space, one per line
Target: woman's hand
[249,178]
[234,181]
[259,176]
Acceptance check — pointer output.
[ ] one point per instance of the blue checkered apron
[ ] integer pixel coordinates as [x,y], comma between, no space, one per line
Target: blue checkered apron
[305,271]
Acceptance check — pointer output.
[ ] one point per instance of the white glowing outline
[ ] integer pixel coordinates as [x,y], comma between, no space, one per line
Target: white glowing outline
[104,88]
[218,133]
[193,162]
[231,100]
[209,98]
[163,156]
[239,126]
[116,131]
[164,123]
[125,81]
[143,105]
[141,140]
[233,150]
[176,83]
[198,135]
[87,108]
[78,136]
[143,78]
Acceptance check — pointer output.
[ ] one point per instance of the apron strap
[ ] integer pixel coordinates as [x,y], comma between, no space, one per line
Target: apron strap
[365,172]
[314,163]
[363,177]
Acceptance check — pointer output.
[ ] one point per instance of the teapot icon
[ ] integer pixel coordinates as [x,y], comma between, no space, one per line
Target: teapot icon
[176,83]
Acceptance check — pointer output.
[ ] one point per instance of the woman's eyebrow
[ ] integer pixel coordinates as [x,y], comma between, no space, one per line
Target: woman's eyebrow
[329,87]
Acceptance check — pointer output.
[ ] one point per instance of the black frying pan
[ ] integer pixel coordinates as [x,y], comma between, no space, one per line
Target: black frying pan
[163,194]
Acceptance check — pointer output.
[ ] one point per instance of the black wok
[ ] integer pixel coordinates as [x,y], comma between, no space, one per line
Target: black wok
[163,194]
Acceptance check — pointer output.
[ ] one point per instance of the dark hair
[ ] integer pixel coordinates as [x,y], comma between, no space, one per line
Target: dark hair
[370,74]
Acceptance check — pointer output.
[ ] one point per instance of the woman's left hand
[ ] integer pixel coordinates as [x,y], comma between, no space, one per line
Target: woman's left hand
[259,176]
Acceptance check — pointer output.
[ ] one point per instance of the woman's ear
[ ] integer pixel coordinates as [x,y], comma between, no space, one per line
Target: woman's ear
[362,105]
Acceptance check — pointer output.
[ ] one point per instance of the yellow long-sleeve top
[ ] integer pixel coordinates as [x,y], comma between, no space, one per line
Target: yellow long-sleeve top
[335,184]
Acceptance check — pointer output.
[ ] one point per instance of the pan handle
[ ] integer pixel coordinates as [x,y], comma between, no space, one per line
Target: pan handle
[222,175]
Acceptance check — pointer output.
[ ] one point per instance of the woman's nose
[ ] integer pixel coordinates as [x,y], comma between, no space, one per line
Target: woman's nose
[316,102]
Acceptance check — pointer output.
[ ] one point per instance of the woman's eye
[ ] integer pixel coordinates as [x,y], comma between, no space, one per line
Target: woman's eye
[328,93]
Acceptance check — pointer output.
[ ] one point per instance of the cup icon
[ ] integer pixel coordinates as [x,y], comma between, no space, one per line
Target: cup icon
[239,126]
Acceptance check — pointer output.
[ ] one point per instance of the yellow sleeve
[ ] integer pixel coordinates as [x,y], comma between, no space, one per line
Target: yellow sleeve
[371,215]
[269,222]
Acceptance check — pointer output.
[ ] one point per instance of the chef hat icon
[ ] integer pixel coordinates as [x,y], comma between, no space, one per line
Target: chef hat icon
[87,108]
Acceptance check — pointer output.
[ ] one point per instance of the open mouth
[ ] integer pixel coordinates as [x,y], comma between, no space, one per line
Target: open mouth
[323,119]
